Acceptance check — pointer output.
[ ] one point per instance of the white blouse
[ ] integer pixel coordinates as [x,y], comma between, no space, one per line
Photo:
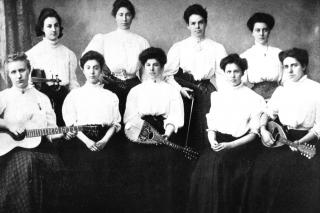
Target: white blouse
[155,98]
[91,104]
[235,111]
[201,58]
[55,59]
[121,49]
[27,106]
[297,105]
[263,64]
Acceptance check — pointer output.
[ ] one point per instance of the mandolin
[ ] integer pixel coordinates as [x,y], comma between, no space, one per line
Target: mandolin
[280,139]
[141,131]
[31,138]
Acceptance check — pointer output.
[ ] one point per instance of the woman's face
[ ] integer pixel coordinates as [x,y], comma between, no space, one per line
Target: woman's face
[92,71]
[123,18]
[197,26]
[260,33]
[292,69]
[233,74]
[51,28]
[152,69]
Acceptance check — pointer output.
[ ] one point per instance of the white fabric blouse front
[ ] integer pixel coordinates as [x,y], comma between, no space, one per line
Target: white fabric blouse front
[201,58]
[235,111]
[297,104]
[28,106]
[155,98]
[121,49]
[91,104]
[55,59]
[263,64]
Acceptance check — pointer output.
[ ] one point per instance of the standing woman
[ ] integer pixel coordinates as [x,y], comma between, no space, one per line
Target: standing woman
[121,49]
[53,57]
[193,65]
[92,104]
[150,166]
[282,180]
[264,68]
[220,176]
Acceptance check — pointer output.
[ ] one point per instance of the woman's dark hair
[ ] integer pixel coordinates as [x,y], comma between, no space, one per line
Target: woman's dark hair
[262,18]
[92,55]
[196,9]
[153,53]
[300,54]
[123,3]
[18,56]
[45,13]
[234,59]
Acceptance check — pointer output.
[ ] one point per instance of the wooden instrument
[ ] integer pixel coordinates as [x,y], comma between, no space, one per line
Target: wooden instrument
[280,138]
[142,132]
[31,137]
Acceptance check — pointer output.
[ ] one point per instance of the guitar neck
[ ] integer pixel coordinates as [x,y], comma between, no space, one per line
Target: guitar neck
[52,131]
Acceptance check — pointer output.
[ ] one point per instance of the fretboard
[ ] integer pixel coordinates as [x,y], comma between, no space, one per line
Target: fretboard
[52,131]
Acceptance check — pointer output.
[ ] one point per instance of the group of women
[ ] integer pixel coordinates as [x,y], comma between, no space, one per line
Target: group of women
[128,82]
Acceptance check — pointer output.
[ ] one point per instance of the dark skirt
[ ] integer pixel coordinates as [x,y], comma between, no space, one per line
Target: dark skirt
[201,91]
[95,178]
[31,180]
[151,172]
[284,181]
[219,181]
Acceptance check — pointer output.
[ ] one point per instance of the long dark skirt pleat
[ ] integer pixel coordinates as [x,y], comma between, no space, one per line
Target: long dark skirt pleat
[284,181]
[219,181]
[31,180]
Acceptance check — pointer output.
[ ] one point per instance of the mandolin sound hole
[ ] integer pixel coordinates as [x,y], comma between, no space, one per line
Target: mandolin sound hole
[150,135]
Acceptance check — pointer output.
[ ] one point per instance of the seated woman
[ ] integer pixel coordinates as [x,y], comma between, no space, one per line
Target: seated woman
[264,68]
[30,178]
[121,49]
[54,58]
[91,104]
[150,166]
[218,181]
[284,181]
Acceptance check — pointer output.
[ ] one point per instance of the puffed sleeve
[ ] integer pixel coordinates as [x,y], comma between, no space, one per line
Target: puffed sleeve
[132,110]
[316,127]
[69,112]
[258,107]
[175,114]
[95,44]
[2,102]
[272,108]
[172,66]
[72,71]
[116,114]
[219,75]
[211,115]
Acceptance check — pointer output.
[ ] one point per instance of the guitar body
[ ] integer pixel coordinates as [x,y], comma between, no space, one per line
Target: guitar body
[9,141]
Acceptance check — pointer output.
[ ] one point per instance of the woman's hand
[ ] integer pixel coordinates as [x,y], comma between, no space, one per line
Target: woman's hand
[70,135]
[266,137]
[222,146]
[185,92]
[101,144]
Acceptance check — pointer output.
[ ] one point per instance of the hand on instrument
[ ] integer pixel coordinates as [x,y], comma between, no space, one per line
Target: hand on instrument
[17,130]
[186,92]
[293,148]
[266,137]
[70,135]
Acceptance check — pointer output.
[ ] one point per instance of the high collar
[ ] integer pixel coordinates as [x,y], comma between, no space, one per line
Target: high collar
[22,91]
[293,83]
[97,85]
[196,39]
[231,88]
[121,31]
[52,44]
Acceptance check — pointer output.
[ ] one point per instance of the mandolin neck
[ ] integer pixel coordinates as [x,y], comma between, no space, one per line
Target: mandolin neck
[52,131]
[287,142]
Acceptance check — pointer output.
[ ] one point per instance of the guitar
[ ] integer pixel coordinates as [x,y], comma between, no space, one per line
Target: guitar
[142,132]
[280,138]
[31,138]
